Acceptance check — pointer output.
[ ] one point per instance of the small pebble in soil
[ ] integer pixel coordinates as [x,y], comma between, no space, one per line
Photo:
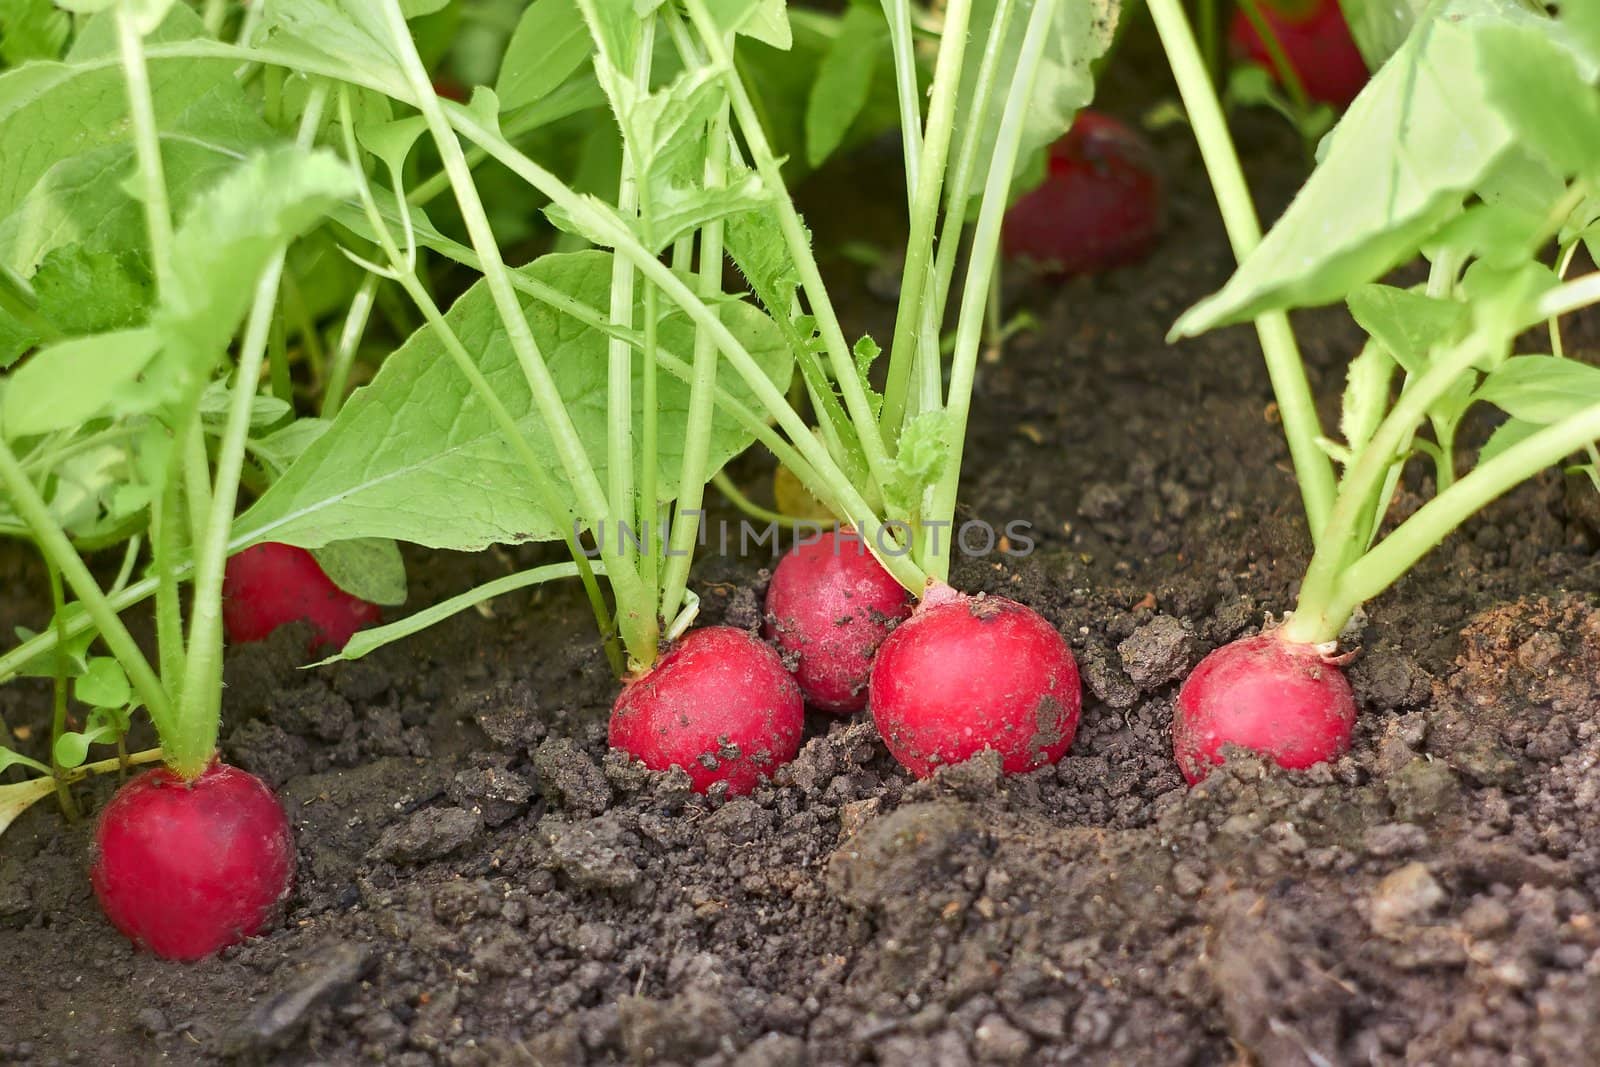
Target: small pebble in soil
[428,835]
[1404,896]
[568,777]
[1158,652]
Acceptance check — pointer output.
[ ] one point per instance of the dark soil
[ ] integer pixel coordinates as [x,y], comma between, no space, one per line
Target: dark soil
[482,883]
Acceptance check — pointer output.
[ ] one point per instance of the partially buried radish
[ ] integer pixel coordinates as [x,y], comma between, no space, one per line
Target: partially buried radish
[719,704]
[830,605]
[1315,39]
[186,868]
[1098,207]
[965,674]
[1285,700]
[269,585]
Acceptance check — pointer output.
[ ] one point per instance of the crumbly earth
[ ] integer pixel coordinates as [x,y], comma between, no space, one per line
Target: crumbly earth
[482,883]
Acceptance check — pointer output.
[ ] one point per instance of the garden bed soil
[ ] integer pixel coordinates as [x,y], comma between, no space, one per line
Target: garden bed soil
[482,883]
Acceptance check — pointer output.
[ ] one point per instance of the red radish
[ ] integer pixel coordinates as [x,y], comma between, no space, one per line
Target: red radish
[965,674]
[269,584]
[719,704]
[1315,39]
[1284,700]
[1099,206]
[186,868]
[831,604]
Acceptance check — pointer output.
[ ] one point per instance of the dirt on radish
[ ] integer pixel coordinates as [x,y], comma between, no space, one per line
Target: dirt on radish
[519,896]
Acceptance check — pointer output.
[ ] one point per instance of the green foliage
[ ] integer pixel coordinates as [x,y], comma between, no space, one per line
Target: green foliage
[416,457]
[843,83]
[368,568]
[1419,140]
[31,29]
[549,45]
[1380,26]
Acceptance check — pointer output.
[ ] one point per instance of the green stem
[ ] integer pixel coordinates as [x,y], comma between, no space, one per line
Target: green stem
[344,356]
[1387,563]
[908,320]
[726,487]
[620,458]
[635,604]
[58,718]
[147,144]
[1287,75]
[1296,407]
[702,390]
[981,263]
[907,91]
[839,353]
[1321,612]
[53,542]
[836,490]
[191,746]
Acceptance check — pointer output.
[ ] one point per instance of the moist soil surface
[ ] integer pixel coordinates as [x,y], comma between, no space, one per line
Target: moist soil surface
[481,882]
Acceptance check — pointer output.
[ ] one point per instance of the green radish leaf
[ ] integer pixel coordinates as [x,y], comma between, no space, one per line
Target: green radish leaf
[10,758]
[279,449]
[867,352]
[1432,125]
[923,453]
[365,642]
[844,81]
[679,210]
[549,44]
[1509,433]
[265,410]
[1408,323]
[1504,300]
[392,141]
[18,798]
[71,749]
[756,245]
[415,457]
[1501,234]
[31,29]
[121,283]
[75,649]
[1541,390]
[614,30]
[1380,26]
[766,21]
[350,32]
[74,381]
[63,110]
[369,568]
[103,684]
[1252,85]
[1366,395]
[223,245]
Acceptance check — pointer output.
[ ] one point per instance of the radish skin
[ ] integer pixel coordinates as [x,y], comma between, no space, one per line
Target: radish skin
[965,674]
[830,606]
[1099,206]
[270,585]
[1317,43]
[717,703]
[186,868]
[1284,700]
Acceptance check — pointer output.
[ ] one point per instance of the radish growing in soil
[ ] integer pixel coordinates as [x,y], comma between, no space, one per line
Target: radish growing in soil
[1099,205]
[270,585]
[969,673]
[830,605]
[1316,44]
[1450,341]
[186,867]
[717,703]
[1285,700]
